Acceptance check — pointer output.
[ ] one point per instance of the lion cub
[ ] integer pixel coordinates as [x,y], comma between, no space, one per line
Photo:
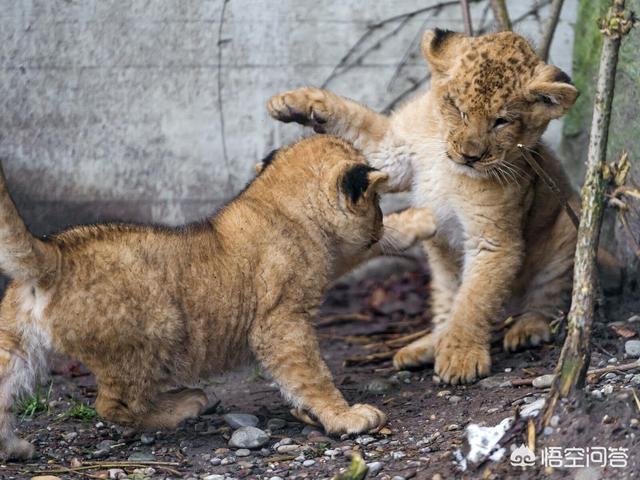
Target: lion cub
[149,310]
[502,238]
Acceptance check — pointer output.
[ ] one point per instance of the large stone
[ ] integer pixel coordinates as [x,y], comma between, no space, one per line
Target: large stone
[248,437]
[237,420]
[632,348]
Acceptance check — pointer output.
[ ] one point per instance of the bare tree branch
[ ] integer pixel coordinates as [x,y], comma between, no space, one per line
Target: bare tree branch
[575,355]
[501,13]
[547,38]
[466,17]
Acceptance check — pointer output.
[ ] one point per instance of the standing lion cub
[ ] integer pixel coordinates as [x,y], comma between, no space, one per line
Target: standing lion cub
[502,238]
[149,310]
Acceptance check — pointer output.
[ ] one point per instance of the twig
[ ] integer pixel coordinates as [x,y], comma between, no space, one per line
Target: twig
[501,14]
[399,341]
[116,464]
[466,17]
[524,382]
[331,320]
[550,182]
[547,38]
[368,359]
[574,358]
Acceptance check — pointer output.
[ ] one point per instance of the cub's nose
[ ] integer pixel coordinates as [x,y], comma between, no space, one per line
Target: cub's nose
[470,159]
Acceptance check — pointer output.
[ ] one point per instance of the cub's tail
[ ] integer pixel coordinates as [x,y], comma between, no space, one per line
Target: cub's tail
[23,257]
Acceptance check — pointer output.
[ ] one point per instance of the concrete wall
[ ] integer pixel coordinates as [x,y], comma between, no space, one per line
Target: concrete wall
[153,110]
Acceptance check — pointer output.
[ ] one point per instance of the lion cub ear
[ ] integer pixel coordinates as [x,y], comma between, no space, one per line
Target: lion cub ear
[551,92]
[440,48]
[266,161]
[360,181]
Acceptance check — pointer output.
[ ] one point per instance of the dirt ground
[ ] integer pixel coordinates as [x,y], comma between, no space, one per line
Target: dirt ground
[427,420]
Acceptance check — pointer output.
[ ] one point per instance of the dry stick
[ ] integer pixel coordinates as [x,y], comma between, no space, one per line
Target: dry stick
[524,382]
[547,38]
[574,358]
[557,191]
[501,14]
[466,17]
[332,320]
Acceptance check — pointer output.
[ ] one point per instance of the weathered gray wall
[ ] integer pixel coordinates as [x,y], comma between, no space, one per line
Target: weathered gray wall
[123,109]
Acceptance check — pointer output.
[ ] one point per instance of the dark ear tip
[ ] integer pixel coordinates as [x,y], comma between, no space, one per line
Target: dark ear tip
[356,181]
[266,161]
[440,36]
[562,77]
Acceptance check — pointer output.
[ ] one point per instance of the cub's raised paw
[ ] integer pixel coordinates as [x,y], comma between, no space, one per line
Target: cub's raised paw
[307,106]
[460,362]
[359,418]
[411,226]
[530,330]
[417,353]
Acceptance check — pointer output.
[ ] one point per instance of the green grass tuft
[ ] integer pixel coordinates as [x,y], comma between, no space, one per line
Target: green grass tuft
[35,404]
[80,411]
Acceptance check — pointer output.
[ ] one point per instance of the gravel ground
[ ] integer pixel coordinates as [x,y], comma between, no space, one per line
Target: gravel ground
[427,420]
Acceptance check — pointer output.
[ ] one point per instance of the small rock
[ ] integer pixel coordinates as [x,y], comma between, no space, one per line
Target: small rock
[288,448]
[403,376]
[332,452]
[597,394]
[365,440]
[276,478]
[610,376]
[248,437]
[213,477]
[374,468]
[607,389]
[308,430]
[612,360]
[491,383]
[147,439]
[633,423]
[607,419]
[398,455]
[243,452]
[443,393]
[69,437]
[237,420]
[99,425]
[547,430]
[215,461]
[275,424]
[493,410]
[633,319]
[308,463]
[632,348]
[635,380]
[46,477]
[378,386]
[454,399]
[141,457]
[145,472]
[228,460]
[555,420]
[543,381]
[398,477]
[452,427]
[117,474]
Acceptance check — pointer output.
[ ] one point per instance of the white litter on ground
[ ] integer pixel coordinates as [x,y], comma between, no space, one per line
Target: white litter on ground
[483,442]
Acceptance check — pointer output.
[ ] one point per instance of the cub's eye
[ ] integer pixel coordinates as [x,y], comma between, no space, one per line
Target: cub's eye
[500,122]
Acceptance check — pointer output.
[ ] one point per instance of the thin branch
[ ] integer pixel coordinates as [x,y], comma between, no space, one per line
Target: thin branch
[466,17]
[225,154]
[574,358]
[547,38]
[501,14]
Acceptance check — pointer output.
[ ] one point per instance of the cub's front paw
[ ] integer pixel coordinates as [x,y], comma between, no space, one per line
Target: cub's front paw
[417,353]
[359,418]
[530,330]
[461,362]
[307,106]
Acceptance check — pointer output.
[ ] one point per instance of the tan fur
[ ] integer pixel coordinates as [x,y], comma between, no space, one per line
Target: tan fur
[502,239]
[150,310]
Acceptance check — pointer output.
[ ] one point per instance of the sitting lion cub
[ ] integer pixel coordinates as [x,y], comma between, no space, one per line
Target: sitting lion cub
[503,243]
[149,310]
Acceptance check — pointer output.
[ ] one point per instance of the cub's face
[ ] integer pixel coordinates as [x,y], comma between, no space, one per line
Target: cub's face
[493,92]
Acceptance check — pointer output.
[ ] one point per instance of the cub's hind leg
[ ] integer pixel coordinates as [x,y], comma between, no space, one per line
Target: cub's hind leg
[152,409]
[547,287]
[15,377]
